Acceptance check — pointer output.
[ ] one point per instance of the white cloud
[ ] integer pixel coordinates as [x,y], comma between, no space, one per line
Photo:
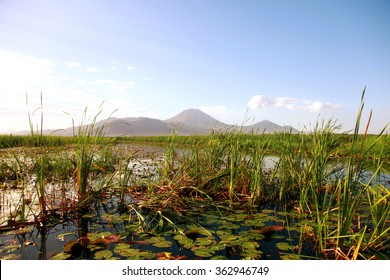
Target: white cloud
[287,102]
[130,68]
[261,101]
[94,69]
[319,106]
[72,64]
[264,101]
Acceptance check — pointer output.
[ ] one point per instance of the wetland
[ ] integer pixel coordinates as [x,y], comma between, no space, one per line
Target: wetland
[228,195]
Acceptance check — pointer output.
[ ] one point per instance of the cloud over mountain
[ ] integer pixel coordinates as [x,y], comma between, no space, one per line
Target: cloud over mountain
[264,101]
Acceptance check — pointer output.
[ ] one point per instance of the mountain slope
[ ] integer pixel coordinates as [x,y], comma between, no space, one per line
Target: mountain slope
[195,119]
[188,122]
[266,126]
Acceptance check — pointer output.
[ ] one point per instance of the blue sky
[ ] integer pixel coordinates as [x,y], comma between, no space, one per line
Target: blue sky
[290,62]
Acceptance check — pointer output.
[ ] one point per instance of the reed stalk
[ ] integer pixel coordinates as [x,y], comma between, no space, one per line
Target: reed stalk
[351,190]
[40,160]
[88,136]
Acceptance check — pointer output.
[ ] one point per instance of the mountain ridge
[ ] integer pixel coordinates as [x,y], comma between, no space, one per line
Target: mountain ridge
[188,122]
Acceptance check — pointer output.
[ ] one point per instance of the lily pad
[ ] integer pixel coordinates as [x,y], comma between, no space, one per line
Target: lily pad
[218,247]
[227,225]
[250,245]
[94,236]
[104,254]
[218,257]
[202,242]
[284,246]
[204,252]
[148,255]
[124,250]
[256,223]
[252,254]
[163,244]
[61,256]
[182,239]
[227,237]
[223,232]
[159,242]
[237,217]
[290,257]
[250,235]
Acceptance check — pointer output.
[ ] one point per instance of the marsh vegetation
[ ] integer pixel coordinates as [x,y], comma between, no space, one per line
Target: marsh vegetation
[316,195]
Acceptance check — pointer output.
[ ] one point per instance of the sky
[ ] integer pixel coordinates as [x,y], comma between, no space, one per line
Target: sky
[290,62]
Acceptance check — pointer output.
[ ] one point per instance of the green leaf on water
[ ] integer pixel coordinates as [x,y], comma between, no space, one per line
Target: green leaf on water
[179,237]
[187,246]
[252,254]
[237,217]
[136,257]
[228,225]
[218,257]
[290,257]
[123,249]
[250,245]
[159,242]
[104,254]
[223,232]
[251,235]
[202,242]
[147,255]
[182,239]
[218,247]
[258,216]
[164,244]
[284,246]
[227,237]
[122,246]
[96,235]
[61,256]
[203,252]
[256,223]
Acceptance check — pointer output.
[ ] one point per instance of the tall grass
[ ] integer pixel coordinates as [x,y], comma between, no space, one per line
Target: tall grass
[89,136]
[352,190]
[40,160]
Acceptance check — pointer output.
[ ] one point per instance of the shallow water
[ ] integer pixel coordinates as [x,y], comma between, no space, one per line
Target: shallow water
[115,235]
[110,230]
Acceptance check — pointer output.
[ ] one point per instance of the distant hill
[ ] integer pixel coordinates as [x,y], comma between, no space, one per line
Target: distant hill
[267,126]
[188,122]
[195,120]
